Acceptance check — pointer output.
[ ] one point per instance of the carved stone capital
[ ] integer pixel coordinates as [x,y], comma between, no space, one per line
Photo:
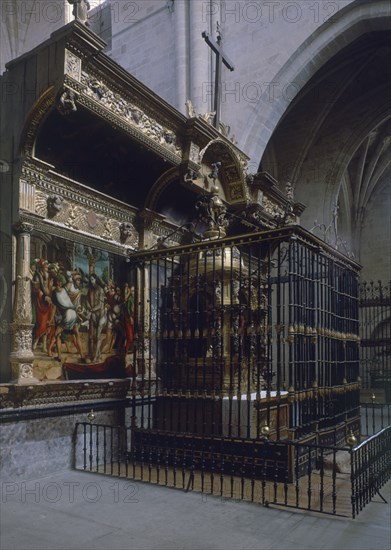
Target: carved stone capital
[23,228]
[22,356]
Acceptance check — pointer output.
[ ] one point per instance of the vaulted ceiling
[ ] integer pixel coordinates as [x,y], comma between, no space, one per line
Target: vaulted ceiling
[333,143]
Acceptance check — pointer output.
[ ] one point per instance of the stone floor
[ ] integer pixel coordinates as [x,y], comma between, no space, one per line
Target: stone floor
[78,510]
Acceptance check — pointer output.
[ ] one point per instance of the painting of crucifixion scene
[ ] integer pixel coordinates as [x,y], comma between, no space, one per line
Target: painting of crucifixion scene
[82,313]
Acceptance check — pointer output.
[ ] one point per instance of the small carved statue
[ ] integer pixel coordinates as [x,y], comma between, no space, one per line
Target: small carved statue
[212,211]
[191,176]
[98,88]
[169,137]
[136,115]
[126,230]
[289,191]
[250,179]
[191,112]
[66,104]
[215,171]
[80,10]
[55,204]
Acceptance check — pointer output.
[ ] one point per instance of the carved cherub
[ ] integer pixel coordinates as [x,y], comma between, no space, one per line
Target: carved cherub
[126,230]
[54,205]
[66,103]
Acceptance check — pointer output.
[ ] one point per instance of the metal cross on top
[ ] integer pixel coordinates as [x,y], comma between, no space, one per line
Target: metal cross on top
[221,58]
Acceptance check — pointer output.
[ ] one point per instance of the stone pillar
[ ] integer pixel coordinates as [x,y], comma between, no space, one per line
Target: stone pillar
[201,81]
[22,357]
[182,57]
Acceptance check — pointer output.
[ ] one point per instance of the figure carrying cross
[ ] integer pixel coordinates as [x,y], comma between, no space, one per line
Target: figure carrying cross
[221,58]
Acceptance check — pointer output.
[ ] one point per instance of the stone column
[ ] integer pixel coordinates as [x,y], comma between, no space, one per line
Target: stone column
[201,82]
[22,357]
[182,57]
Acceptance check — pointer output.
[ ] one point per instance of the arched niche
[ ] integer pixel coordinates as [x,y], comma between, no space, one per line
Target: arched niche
[221,167]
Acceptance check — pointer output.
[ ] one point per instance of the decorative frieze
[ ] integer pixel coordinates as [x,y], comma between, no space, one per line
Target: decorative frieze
[129,112]
[72,65]
[27,196]
[58,200]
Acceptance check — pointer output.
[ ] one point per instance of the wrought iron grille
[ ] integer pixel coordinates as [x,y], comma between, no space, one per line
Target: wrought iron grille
[245,337]
[375,332]
[296,474]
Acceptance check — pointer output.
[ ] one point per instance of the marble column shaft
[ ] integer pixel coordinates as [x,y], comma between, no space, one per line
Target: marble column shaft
[22,357]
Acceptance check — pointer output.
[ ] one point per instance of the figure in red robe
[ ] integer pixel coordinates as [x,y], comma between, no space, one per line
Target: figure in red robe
[41,288]
[128,313]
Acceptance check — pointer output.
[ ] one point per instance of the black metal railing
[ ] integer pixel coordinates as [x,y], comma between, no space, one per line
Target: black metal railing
[375,335]
[295,474]
[370,468]
[374,417]
[238,334]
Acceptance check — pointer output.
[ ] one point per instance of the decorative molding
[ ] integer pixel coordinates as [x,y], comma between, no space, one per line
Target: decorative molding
[26,196]
[50,183]
[14,396]
[57,230]
[194,153]
[22,228]
[22,337]
[128,116]
[40,109]
[72,65]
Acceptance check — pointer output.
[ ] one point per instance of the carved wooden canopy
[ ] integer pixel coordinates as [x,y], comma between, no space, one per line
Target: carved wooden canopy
[98,147]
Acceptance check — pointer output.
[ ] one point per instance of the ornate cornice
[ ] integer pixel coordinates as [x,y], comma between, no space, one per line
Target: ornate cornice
[39,174]
[58,230]
[116,106]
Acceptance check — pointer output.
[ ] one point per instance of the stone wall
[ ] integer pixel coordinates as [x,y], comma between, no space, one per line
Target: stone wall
[39,446]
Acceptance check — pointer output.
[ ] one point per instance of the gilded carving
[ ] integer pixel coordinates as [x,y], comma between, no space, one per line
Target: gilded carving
[131,113]
[26,371]
[272,208]
[73,217]
[194,153]
[108,229]
[55,204]
[23,305]
[127,231]
[23,227]
[236,191]
[72,65]
[22,338]
[66,102]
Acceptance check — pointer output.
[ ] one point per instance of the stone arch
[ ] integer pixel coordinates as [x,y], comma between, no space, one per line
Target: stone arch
[158,188]
[353,21]
[39,111]
[231,171]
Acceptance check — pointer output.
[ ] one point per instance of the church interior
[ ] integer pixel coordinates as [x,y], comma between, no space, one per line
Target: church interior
[195,245]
